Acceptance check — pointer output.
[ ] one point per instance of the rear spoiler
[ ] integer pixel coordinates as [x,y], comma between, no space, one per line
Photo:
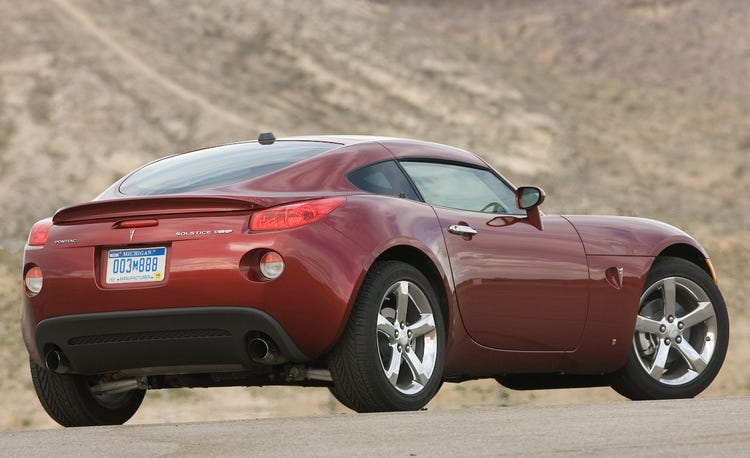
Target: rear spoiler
[151,206]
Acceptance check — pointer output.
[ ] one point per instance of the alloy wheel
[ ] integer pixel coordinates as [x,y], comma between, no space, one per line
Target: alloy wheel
[676,331]
[407,337]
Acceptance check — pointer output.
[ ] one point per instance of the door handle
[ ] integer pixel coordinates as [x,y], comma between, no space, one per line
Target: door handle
[460,229]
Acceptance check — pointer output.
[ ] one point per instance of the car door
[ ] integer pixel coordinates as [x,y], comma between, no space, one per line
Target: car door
[518,287]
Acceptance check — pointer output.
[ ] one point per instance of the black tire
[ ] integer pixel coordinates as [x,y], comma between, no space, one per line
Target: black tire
[341,397]
[68,399]
[680,357]
[376,337]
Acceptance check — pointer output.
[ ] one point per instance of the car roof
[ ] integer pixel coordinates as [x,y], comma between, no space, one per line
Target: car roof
[344,140]
[402,148]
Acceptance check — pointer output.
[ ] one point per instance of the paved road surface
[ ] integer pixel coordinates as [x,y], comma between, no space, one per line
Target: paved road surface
[718,427]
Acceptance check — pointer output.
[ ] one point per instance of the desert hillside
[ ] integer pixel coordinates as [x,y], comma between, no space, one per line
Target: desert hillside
[637,107]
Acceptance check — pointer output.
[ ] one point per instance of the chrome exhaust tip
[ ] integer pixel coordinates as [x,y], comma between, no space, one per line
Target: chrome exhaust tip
[56,362]
[263,351]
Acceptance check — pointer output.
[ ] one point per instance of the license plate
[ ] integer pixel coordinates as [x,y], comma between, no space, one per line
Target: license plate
[136,265]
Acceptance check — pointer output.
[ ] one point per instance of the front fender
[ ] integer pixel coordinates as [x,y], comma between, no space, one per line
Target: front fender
[627,236]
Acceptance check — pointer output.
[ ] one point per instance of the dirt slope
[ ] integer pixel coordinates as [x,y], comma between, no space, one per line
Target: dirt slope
[632,107]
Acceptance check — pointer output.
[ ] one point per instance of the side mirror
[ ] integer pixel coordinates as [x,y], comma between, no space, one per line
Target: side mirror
[529,198]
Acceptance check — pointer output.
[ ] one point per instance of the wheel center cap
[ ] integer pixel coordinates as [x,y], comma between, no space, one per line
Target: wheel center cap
[403,339]
[672,330]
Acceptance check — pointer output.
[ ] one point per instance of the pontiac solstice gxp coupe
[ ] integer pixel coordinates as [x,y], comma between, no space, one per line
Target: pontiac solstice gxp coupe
[376,267]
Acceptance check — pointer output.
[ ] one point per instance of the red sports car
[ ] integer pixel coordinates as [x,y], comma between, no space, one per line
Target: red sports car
[378,267]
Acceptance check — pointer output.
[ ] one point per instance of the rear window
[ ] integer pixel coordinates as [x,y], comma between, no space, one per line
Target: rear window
[383,178]
[219,166]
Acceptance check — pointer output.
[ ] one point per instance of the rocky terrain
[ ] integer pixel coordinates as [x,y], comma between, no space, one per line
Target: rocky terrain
[635,107]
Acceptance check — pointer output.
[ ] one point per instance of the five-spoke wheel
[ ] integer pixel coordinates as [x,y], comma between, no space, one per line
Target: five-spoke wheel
[681,334]
[391,355]
[407,338]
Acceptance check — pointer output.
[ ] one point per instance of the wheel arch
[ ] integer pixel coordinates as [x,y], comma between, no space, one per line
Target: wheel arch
[422,262]
[691,254]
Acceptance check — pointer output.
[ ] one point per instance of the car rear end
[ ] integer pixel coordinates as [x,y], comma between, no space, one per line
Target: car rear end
[187,282]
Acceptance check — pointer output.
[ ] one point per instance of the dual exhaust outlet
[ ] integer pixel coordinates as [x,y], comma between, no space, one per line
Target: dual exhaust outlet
[261,351]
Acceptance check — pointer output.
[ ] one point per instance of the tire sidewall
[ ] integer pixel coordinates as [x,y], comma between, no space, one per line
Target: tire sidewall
[68,399]
[653,389]
[118,413]
[385,276]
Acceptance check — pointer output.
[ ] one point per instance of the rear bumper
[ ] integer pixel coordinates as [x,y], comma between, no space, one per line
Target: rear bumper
[157,340]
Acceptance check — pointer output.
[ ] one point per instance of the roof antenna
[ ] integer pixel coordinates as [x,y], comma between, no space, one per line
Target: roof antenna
[266,138]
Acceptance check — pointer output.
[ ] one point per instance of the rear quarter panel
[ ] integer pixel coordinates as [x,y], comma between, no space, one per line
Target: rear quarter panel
[378,223]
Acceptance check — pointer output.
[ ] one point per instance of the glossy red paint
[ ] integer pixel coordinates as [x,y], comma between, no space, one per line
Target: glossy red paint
[410,149]
[607,337]
[626,236]
[517,298]
[205,269]
[533,282]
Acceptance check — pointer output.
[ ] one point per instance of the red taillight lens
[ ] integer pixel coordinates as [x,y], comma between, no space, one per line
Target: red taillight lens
[34,280]
[294,215]
[39,232]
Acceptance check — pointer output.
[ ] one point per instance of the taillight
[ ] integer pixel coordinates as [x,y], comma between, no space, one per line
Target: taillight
[33,280]
[294,215]
[39,232]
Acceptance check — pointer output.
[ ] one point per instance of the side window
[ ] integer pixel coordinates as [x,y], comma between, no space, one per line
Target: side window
[383,178]
[462,187]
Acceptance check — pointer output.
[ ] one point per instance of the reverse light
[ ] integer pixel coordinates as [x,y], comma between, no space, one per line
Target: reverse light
[39,232]
[294,215]
[34,280]
[271,265]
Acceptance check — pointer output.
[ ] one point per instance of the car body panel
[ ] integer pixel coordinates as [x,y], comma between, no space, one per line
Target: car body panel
[412,149]
[122,209]
[627,236]
[518,287]
[613,307]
